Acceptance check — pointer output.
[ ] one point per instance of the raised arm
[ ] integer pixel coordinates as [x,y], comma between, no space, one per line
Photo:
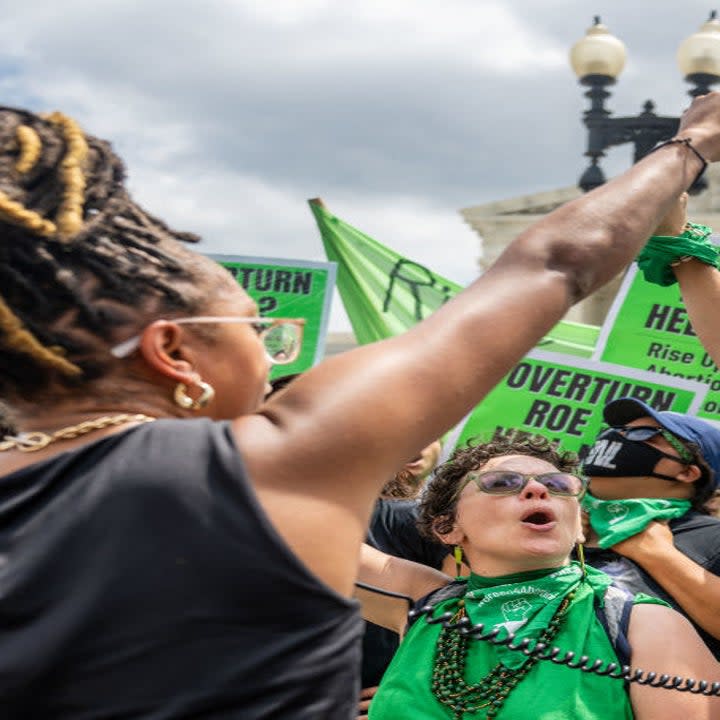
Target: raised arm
[699,283]
[700,288]
[320,453]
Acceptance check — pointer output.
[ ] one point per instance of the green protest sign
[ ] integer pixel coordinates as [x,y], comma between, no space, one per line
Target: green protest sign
[289,288]
[562,398]
[648,328]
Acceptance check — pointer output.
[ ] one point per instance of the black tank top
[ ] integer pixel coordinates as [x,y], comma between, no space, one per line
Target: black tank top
[140,578]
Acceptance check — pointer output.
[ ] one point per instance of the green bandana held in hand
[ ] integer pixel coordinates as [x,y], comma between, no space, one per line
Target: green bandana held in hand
[617,520]
[662,251]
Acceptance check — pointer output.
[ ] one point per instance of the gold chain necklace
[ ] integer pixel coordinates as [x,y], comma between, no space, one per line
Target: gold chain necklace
[34,441]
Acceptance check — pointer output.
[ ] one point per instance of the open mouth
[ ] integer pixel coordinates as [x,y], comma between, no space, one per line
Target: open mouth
[539,518]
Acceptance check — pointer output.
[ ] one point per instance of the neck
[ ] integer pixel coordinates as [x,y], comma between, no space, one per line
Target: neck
[490,567]
[57,420]
[476,580]
[62,412]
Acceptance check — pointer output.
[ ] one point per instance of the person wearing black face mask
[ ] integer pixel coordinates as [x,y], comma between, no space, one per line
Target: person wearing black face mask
[650,475]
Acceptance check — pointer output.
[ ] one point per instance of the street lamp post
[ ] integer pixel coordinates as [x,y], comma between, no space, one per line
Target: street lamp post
[598,59]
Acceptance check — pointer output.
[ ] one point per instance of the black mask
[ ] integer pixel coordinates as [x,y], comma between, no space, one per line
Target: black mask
[613,455]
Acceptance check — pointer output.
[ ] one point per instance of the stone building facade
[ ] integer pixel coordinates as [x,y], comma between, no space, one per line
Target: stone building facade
[497,223]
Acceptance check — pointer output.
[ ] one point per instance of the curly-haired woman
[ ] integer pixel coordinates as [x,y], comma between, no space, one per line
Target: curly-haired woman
[512,509]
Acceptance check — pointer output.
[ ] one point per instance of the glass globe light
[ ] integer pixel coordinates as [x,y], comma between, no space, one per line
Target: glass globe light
[598,53]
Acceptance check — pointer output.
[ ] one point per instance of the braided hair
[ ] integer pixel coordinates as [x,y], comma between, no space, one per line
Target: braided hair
[74,248]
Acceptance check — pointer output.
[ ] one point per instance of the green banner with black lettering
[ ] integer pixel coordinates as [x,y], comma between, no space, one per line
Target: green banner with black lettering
[289,288]
[385,293]
[648,328]
[563,398]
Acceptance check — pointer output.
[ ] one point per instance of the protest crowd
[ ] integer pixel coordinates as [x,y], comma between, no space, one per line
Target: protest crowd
[182,538]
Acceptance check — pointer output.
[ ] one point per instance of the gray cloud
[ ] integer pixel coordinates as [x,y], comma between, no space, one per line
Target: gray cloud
[231,113]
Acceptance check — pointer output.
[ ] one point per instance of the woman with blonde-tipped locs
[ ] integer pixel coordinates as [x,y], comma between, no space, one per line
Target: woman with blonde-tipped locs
[170,545]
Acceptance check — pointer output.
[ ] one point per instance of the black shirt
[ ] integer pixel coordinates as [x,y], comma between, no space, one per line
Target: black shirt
[140,578]
[393,530]
[694,534]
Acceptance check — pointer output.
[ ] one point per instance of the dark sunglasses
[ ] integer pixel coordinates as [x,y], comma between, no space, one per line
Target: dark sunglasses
[643,433]
[510,482]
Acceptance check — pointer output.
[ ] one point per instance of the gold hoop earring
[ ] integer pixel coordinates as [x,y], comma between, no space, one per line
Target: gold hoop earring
[207,393]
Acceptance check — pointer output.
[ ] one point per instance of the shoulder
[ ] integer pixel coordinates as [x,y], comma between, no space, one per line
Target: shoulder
[652,623]
[653,629]
[449,591]
[665,643]
[693,521]
[181,437]
[180,446]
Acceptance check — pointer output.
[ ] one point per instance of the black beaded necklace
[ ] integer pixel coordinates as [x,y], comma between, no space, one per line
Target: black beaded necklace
[448,679]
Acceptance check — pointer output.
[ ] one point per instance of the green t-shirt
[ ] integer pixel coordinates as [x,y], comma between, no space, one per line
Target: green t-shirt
[548,691]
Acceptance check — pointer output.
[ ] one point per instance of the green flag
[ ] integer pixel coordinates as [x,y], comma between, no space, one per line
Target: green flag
[385,293]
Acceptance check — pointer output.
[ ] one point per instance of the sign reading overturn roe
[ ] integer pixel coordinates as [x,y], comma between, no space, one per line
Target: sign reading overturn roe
[562,397]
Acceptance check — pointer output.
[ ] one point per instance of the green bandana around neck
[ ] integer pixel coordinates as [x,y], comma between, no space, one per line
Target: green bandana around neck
[656,258]
[523,603]
[617,520]
[551,692]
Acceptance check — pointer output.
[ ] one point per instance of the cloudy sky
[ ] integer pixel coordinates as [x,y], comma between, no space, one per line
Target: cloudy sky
[231,113]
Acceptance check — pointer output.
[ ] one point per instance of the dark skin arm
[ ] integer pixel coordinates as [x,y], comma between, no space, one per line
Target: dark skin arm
[319,455]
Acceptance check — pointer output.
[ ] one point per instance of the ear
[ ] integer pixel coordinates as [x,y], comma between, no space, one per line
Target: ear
[690,474]
[164,348]
[455,536]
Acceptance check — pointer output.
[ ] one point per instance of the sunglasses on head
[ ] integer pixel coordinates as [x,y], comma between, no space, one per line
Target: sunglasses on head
[510,482]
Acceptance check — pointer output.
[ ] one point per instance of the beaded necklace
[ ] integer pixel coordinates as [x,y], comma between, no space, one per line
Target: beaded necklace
[448,678]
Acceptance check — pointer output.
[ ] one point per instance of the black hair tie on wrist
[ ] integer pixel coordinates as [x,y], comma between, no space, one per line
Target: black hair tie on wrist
[687,142]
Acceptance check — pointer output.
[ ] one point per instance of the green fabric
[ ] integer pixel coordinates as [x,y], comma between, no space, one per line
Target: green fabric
[617,520]
[548,692]
[524,604]
[661,250]
[385,294]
